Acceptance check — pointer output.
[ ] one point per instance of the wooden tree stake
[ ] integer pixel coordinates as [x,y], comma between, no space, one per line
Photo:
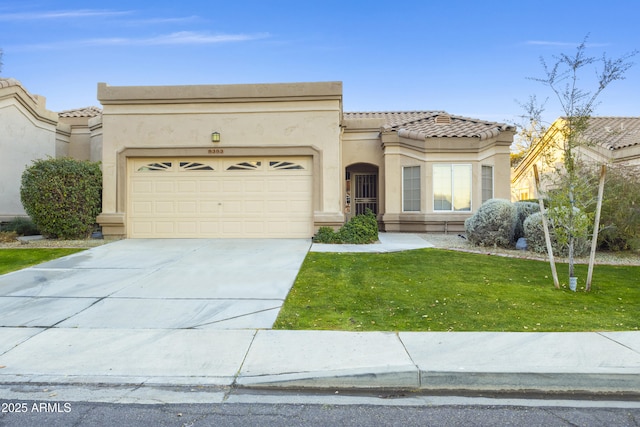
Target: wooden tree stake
[596,226]
[547,236]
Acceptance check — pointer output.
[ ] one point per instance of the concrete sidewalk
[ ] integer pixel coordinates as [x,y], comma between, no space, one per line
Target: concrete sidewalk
[438,361]
[388,242]
[49,346]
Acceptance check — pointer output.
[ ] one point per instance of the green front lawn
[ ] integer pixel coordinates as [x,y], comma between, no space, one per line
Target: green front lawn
[16,259]
[440,290]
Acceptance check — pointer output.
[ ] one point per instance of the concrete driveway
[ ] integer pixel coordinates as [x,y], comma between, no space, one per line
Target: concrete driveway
[157,284]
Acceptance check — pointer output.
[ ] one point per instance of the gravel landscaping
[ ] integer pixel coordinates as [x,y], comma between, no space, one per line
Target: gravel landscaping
[456,242]
[53,243]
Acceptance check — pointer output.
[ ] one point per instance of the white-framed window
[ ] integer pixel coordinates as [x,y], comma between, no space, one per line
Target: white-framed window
[452,187]
[487,183]
[411,189]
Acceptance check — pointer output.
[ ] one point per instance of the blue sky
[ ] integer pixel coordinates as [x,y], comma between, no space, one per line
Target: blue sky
[469,58]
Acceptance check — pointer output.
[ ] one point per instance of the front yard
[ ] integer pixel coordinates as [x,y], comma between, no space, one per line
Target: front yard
[443,290]
[16,259]
[430,290]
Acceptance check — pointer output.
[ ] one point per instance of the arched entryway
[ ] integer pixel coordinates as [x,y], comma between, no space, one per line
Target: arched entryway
[361,189]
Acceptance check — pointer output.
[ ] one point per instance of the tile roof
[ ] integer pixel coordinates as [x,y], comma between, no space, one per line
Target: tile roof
[392,118]
[614,133]
[81,112]
[433,124]
[9,82]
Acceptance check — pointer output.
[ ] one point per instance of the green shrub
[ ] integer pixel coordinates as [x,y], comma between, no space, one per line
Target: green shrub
[493,224]
[62,196]
[534,233]
[361,229]
[326,235]
[620,215]
[523,210]
[22,227]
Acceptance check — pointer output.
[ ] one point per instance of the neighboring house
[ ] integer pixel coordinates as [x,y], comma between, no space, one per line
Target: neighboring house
[78,134]
[28,131]
[281,160]
[608,141]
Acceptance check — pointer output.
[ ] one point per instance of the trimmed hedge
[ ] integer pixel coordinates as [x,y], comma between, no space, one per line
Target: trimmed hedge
[63,196]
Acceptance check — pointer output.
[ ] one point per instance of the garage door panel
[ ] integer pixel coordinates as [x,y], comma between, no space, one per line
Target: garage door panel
[254,227]
[162,186]
[253,206]
[164,227]
[233,207]
[277,207]
[231,228]
[254,186]
[187,227]
[277,186]
[142,227]
[141,208]
[143,187]
[233,185]
[209,207]
[164,207]
[298,207]
[298,186]
[209,228]
[187,187]
[209,185]
[298,227]
[256,198]
[187,206]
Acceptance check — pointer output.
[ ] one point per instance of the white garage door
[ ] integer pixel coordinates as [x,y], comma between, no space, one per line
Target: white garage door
[219,197]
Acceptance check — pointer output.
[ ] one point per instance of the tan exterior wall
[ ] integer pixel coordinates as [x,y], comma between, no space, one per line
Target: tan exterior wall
[285,119]
[361,148]
[400,153]
[95,139]
[27,133]
[63,138]
[79,143]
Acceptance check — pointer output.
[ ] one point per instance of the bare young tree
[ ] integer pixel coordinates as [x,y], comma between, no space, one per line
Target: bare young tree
[563,78]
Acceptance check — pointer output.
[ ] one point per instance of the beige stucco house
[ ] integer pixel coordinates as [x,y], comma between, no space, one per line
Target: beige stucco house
[29,131]
[257,160]
[281,160]
[608,141]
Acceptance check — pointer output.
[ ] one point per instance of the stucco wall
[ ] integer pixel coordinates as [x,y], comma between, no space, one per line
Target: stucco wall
[27,133]
[95,140]
[246,116]
[400,152]
[361,148]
